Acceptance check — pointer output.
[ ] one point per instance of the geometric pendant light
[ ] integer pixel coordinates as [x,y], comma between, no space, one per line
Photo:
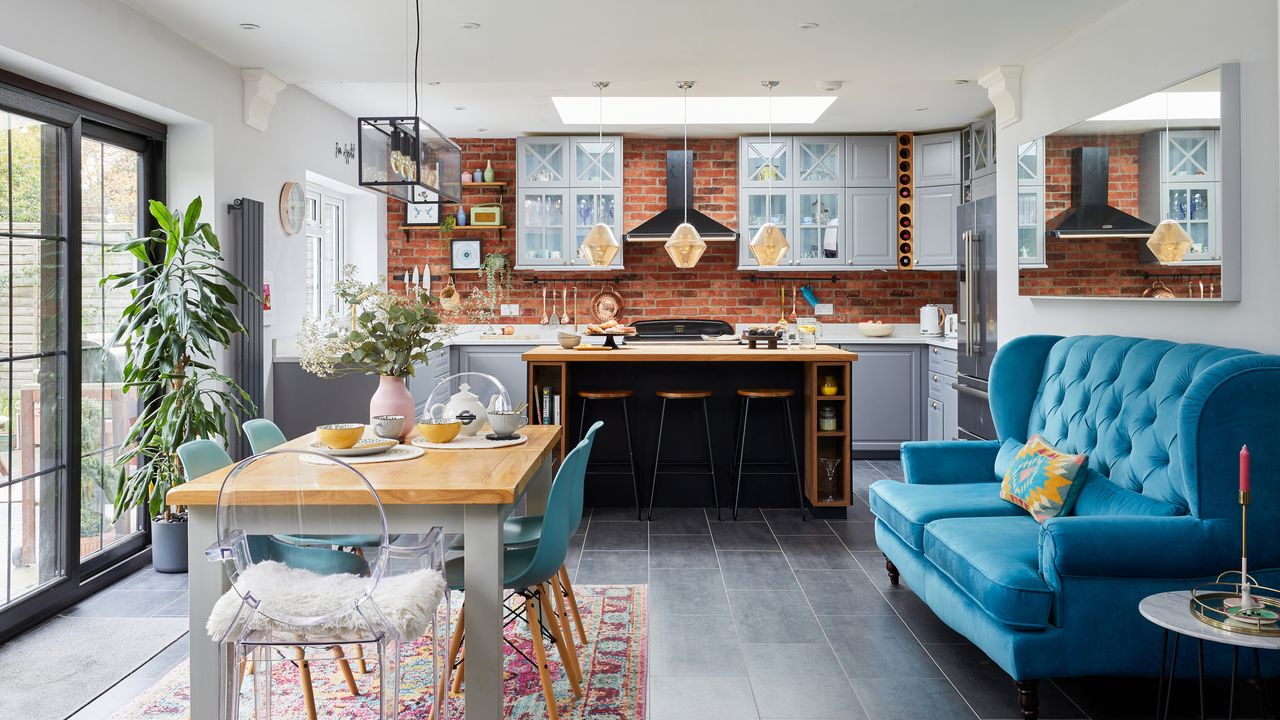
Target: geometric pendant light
[685,247]
[1170,242]
[600,246]
[769,244]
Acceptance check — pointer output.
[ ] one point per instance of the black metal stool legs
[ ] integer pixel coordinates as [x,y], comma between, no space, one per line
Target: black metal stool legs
[795,462]
[739,450]
[631,457]
[657,455]
[630,462]
[711,460]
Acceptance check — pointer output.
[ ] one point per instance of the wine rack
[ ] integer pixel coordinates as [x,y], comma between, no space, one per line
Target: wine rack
[906,202]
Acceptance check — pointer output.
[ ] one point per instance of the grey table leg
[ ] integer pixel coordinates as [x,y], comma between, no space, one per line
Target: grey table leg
[535,500]
[206,582]
[483,582]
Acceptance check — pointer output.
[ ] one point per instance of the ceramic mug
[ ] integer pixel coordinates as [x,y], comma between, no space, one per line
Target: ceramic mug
[505,424]
[388,426]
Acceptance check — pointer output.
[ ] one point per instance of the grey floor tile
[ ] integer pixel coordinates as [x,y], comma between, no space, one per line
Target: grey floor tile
[800,681]
[575,550]
[858,510]
[617,536]
[787,521]
[680,521]
[682,551]
[816,552]
[166,659]
[614,514]
[694,646]
[877,646]
[891,469]
[672,698]
[612,567]
[911,699]
[149,579]
[923,622]
[872,562]
[756,570]
[856,534]
[125,603]
[177,608]
[861,494]
[745,514]
[687,592]
[989,690]
[842,592]
[114,698]
[586,520]
[743,536]
[774,616]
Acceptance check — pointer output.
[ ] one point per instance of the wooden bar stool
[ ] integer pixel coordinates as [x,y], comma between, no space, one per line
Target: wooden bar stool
[679,395]
[630,463]
[745,396]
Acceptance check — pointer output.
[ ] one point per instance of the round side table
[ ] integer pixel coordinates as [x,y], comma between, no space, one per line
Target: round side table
[1172,612]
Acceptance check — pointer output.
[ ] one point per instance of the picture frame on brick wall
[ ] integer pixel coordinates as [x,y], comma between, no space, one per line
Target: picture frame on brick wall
[425,214]
[465,254]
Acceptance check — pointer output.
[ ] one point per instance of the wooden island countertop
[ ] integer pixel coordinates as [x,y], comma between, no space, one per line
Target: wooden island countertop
[690,352]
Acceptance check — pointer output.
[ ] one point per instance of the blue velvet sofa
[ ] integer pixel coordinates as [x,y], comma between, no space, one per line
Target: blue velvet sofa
[1162,424]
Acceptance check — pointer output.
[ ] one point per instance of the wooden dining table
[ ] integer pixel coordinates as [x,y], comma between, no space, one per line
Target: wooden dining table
[463,490]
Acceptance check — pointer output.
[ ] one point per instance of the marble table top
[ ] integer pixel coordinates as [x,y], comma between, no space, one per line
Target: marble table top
[1172,611]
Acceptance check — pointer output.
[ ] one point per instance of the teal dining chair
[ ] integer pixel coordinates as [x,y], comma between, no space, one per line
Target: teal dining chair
[533,572]
[263,435]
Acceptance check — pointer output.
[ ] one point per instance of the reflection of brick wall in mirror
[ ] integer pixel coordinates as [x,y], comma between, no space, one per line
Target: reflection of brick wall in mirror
[1103,266]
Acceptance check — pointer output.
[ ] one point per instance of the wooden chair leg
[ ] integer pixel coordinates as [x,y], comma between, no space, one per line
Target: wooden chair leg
[455,649]
[361,666]
[540,654]
[304,677]
[552,622]
[345,668]
[566,625]
[460,673]
[573,604]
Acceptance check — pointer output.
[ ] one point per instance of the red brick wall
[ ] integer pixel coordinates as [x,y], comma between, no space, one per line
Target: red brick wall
[1100,266]
[651,287]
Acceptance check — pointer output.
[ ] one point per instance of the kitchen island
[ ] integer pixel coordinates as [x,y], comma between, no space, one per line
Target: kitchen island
[647,368]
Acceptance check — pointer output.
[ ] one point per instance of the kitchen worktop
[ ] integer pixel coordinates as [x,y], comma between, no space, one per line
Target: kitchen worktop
[689,352]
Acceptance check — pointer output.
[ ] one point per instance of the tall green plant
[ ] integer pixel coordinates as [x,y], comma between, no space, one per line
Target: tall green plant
[180,313]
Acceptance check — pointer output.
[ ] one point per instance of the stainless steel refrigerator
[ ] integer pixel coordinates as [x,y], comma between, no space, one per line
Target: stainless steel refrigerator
[976,275]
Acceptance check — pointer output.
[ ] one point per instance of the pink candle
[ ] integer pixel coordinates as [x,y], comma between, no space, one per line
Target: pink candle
[1244,468]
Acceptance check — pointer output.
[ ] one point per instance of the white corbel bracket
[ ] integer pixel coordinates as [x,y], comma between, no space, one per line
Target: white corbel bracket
[1004,90]
[260,91]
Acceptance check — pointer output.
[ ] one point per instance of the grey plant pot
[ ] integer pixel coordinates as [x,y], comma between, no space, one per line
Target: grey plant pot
[169,546]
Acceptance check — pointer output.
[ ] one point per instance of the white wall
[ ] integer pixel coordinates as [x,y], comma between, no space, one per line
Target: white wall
[105,50]
[1141,47]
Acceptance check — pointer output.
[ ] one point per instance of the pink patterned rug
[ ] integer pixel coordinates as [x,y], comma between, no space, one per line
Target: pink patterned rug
[614,668]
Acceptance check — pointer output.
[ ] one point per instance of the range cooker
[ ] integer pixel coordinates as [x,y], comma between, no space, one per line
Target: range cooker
[677,331]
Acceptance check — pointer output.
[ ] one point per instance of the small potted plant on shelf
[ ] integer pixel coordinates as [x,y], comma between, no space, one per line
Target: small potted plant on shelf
[387,334]
[179,315]
[446,227]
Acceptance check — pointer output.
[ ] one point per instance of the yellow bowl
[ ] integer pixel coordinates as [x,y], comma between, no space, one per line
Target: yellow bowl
[341,435]
[439,431]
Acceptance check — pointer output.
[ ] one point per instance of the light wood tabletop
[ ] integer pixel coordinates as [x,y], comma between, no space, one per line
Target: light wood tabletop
[689,352]
[461,477]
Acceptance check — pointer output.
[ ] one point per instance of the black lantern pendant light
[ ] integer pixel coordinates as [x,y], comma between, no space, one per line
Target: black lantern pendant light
[403,156]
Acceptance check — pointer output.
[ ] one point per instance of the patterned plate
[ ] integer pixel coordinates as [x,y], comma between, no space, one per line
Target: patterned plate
[366,446]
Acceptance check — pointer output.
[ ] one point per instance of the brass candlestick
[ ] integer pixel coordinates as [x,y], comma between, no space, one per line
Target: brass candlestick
[1246,597]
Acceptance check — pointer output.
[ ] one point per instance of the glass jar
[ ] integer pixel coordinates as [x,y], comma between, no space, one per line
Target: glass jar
[828,421]
[829,386]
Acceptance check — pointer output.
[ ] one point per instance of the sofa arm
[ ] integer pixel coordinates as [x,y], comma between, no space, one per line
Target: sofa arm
[1130,546]
[949,462]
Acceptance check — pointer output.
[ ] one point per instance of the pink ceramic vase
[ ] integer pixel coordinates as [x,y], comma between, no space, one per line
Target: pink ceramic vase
[393,398]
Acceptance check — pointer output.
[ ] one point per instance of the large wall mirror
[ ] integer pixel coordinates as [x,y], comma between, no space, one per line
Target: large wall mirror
[1140,202]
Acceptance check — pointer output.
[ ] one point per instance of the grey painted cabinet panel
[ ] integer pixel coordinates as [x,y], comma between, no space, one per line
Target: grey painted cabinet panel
[502,362]
[871,227]
[887,401]
[935,419]
[871,162]
[937,159]
[936,226]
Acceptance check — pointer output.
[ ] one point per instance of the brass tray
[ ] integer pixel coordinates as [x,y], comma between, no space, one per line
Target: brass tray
[1218,604]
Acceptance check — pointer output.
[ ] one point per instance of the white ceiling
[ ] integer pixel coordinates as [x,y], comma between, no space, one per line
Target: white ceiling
[893,57]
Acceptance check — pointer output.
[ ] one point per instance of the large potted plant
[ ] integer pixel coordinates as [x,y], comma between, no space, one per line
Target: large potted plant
[179,315]
[387,335]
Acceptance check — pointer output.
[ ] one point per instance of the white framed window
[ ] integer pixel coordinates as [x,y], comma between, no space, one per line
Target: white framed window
[325,235]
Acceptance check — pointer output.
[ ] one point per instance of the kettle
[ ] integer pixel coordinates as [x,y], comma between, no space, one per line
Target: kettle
[465,406]
[931,320]
[951,326]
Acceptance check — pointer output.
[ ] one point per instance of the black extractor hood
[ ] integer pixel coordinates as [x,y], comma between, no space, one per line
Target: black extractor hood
[1090,215]
[679,186]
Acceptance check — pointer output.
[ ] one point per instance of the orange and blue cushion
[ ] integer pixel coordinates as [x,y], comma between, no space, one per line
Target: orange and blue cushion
[1042,479]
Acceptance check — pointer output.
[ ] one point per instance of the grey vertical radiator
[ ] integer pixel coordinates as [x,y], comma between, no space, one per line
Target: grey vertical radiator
[247,365]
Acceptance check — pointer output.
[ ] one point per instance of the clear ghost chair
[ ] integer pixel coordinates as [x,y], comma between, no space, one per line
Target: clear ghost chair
[303,539]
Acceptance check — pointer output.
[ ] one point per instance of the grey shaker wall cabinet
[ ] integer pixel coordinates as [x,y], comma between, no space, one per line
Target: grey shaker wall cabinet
[937,159]
[935,214]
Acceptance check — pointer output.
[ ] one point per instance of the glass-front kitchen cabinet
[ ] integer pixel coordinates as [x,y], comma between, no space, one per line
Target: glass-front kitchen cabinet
[763,162]
[760,206]
[1031,203]
[564,186]
[819,162]
[1179,179]
[819,231]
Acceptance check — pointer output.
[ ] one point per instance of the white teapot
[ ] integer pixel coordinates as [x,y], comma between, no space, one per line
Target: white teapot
[466,407]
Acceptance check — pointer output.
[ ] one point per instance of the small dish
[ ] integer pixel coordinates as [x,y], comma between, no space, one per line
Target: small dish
[368,446]
[340,436]
[568,342]
[435,430]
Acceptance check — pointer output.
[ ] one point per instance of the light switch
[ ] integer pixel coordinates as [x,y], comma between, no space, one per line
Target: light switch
[510,310]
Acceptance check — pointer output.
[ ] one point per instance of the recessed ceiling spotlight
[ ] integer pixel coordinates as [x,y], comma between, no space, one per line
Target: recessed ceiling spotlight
[962,82]
[921,109]
[807,25]
[459,107]
[482,129]
[250,26]
[470,26]
[433,83]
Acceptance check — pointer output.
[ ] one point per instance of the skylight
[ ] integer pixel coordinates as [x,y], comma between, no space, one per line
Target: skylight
[702,110]
[1171,105]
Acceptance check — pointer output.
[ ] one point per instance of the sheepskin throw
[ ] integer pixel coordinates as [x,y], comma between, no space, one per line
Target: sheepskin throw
[407,601]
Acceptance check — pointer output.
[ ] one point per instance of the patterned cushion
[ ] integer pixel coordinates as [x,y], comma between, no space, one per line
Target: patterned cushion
[1041,480]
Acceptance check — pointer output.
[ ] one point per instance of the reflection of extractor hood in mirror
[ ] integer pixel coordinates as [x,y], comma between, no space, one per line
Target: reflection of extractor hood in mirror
[1090,215]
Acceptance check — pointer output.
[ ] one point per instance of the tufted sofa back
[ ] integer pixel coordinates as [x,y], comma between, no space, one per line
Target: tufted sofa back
[1118,399]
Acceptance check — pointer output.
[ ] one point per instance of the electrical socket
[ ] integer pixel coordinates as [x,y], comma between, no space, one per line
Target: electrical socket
[511,310]
[822,309]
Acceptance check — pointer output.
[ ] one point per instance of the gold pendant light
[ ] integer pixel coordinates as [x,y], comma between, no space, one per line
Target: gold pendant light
[1170,242]
[686,246]
[600,246]
[770,243]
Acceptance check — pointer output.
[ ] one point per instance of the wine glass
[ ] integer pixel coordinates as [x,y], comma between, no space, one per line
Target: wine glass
[830,465]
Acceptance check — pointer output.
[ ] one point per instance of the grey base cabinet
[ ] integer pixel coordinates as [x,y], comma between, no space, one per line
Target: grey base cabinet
[941,403]
[502,362]
[887,407]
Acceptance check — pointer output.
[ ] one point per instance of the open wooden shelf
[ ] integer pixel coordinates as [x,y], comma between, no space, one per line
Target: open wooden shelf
[824,398]
[456,229]
[494,184]
[831,433]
